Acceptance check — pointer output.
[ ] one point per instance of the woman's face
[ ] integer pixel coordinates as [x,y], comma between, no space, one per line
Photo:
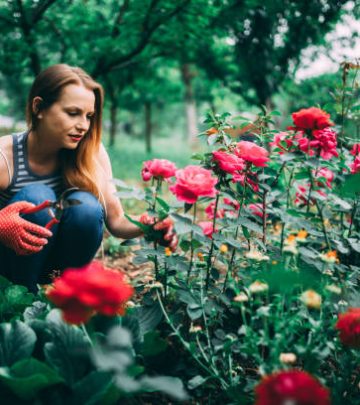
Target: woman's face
[65,123]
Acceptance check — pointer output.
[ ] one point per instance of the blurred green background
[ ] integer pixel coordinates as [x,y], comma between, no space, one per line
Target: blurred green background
[164,63]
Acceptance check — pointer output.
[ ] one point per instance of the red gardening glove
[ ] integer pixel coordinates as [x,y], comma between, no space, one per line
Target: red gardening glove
[18,234]
[163,231]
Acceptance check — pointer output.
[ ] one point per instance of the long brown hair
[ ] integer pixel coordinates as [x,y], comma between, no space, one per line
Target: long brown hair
[78,166]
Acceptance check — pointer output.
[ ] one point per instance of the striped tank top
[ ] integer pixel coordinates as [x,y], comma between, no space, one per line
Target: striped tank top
[23,175]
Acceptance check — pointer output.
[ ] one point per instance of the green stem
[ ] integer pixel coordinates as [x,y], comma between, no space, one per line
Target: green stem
[86,334]
[191,247]
[287,207]
[353,214]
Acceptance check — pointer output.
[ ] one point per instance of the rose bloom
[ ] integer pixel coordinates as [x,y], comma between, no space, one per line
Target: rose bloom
[291,387]
[193,182]
[311,118]
[207,227]
[355,149]
[228,162]
[325,173]
[82,292]
[325,140]
[348,325]
[252,153]
[302,194]
[355,165]
[158,168]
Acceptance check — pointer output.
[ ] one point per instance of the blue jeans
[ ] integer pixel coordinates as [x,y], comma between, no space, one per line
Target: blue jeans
[74,242]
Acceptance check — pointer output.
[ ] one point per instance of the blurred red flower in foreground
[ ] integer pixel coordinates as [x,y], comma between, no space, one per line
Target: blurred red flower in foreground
[193,182]
[311,118]
[158,168]
[291,387]
[349,326]
[82,292]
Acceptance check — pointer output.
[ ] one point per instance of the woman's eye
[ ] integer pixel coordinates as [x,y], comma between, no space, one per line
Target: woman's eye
[72,113]
[89,117]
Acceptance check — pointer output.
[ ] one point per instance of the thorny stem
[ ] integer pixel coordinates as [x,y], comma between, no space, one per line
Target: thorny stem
[353,214]
[211,371]
[320,214]
[236,233]
[287,206]
[156,263]
[208,267]
[191,247]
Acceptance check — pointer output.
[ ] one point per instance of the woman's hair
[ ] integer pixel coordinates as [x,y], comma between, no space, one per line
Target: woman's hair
[78,166]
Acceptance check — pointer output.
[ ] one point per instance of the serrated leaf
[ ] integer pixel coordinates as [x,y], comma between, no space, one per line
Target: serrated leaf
[68,350]
[17,342]
[28,377]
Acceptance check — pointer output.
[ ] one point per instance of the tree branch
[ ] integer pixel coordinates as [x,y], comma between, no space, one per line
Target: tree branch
[40,10]
[122,10]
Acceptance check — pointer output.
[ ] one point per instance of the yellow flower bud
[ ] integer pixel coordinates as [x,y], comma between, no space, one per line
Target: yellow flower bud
[311,299]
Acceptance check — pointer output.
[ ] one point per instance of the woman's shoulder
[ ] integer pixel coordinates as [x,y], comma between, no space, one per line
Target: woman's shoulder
[6,158]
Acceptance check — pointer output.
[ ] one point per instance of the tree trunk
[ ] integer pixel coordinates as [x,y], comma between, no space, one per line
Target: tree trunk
[148,126]
[113,122]
[190,106]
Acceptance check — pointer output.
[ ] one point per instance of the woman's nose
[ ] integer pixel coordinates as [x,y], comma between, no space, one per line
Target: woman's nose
[82,124]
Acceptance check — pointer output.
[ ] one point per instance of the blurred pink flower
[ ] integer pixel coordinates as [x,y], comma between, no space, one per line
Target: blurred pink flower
[324,173]
[158,168]
[252,153]
[207,227]
[355,149]
[228,162]
[355,165]
[193,182]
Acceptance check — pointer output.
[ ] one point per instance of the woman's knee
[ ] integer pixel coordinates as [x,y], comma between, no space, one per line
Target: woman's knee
[87,212]
[34,193]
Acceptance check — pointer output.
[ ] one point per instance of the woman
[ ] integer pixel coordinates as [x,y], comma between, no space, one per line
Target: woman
[61,149]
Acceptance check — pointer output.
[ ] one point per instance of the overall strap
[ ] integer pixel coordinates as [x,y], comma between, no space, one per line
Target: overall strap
[7,165]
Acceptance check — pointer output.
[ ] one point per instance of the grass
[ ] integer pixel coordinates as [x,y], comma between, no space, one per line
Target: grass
[128,155]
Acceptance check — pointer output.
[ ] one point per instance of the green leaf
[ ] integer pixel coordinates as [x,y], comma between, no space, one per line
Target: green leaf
[28,377]
[91,389]
[17,342]
[351,186]
[169,385]
[194,311]
[149,316]
[145,228]
[153,344]
[196,382]
[68,349]
[249,224]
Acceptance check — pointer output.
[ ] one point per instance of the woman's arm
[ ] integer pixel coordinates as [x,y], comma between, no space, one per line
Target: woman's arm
[116,222]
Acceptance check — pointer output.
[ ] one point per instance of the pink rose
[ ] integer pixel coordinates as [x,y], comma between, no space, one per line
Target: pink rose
[193,182]
[325,140]
[355,165]
[302,194]
[252,153]
[355,149]
[324,173]
[232,203]
[228,162]
[207,227]
[158,168]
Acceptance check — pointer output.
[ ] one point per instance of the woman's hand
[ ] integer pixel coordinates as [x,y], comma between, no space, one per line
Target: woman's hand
[21,235]
[162,231]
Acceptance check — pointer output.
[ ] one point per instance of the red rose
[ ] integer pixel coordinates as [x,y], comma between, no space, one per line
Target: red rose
[158,168]
[232,203]
[355,165]
[291,387]
[325,173]
[355,149]
[349,326]
[252,153]
[82,292]
[228,162]
[311,118]
[193,182]
[207,227]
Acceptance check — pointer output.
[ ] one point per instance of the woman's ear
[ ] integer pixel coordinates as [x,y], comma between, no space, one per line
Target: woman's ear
[36,106]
